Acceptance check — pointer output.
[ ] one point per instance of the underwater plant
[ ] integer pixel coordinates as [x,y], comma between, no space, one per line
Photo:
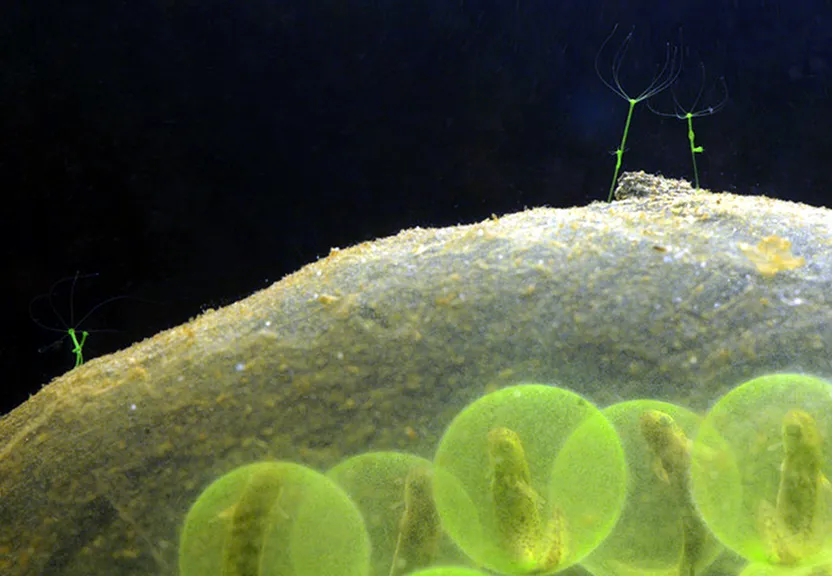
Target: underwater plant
[688,114]
[529,479]
[656,440]
[666,76]
[394,493]
[759,470]
[270,519]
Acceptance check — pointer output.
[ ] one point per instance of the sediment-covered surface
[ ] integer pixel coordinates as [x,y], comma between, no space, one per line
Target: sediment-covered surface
[666,293]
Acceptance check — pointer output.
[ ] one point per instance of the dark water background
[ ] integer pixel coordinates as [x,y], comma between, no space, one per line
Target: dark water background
[192,152]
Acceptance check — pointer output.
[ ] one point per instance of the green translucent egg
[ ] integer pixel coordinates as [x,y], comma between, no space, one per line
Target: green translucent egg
[529,479]
[448,571]
[658,529]
[760,468]
[394,492]
[274,519]
[766,569]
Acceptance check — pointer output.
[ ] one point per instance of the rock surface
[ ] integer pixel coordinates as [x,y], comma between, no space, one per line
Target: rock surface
[667,293]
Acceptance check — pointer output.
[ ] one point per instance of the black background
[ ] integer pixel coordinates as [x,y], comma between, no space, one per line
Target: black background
[189,153]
